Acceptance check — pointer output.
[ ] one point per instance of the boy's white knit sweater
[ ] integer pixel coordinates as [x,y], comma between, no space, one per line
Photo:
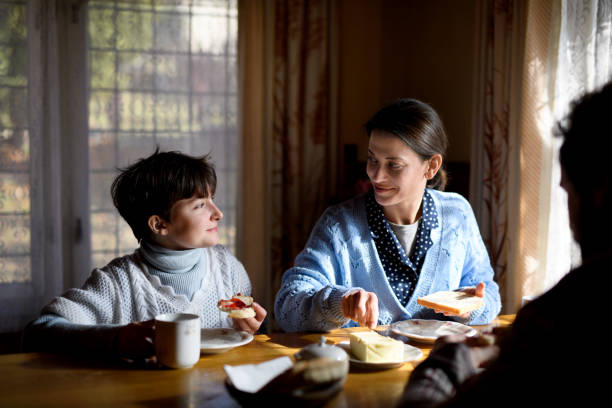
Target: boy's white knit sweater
[125,291]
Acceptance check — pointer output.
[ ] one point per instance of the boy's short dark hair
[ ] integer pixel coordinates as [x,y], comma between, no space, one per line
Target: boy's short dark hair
[152,185]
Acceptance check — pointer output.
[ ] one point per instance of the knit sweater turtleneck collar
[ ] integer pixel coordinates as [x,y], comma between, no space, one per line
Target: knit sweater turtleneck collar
[168,260]
[183,271]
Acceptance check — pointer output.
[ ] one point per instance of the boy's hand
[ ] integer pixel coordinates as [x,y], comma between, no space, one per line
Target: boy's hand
[135,340]
[361,306]
[251,324]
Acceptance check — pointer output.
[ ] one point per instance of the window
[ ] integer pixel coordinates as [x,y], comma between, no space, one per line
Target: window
[20,275]
[15,264]
[86,88]
[160,74]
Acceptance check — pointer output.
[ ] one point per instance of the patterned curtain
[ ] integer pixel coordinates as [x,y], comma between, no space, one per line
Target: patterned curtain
[286,66]
[301,143]
[494,146]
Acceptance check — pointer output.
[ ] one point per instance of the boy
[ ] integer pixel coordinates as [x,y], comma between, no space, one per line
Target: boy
[167,200]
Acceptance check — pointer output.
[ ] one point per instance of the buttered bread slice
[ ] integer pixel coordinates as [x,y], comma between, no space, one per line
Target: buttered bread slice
[456,302]
[374,348]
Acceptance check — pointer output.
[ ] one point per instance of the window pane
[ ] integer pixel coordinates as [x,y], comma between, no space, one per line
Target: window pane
[102,148]
[134,145]
[102,109]
[102,74]
[15,269]
[99,185]
[134,30]
[14,193]
[105,238]
[101,33]
[162,73]
[172,113]
[135,110]
[172,73]
[14,109]
[172,31]
[15,247]
[210,75]
[15,234]
[134,70]
[13,22]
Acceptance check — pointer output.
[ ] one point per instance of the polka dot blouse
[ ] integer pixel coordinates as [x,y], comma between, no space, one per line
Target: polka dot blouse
[401,270]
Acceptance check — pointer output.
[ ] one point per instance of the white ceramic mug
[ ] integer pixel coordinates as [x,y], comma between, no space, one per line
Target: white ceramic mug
[177,339]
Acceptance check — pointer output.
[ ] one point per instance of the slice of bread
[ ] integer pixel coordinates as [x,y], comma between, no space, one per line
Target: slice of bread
[242,313]
[455,302]
[238,307]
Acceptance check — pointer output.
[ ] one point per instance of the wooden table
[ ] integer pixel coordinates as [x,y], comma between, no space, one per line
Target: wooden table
[37,379]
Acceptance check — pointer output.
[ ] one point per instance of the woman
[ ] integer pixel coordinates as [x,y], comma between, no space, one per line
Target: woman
[370,258]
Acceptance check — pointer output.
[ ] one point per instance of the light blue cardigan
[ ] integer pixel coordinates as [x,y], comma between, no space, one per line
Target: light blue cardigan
[341,254]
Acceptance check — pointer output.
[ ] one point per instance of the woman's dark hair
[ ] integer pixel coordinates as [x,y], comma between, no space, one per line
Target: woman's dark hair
[587,134]
[152,185]
[418,125]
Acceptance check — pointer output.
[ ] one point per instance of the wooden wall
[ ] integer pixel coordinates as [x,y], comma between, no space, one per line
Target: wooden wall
[409,48]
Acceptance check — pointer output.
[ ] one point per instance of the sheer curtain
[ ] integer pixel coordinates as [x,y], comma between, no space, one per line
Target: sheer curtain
[536,57]
[578,60]
[31,226]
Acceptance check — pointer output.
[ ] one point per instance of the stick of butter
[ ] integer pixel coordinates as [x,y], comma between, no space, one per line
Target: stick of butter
[374,348]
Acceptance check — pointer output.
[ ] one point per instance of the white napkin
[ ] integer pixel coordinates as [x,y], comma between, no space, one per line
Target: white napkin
[252,377]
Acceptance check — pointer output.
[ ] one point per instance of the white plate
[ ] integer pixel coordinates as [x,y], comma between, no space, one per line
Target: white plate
[427,331]
[411,353]
[215,341]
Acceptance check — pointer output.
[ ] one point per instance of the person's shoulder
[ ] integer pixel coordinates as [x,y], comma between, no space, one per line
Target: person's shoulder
[454,210]
[347,217]
[449,199]
[123,261]
[590,281]
[348,209]
[451,204]
[120,265]
[221,254]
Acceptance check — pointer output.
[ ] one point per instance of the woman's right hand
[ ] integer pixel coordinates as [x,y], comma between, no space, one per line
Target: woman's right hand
[361,306]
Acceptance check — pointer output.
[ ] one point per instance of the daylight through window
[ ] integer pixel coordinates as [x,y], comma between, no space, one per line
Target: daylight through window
[161,73]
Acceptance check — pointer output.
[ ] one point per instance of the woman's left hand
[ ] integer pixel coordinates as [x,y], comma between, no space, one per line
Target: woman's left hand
[251,324]
[478,290]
